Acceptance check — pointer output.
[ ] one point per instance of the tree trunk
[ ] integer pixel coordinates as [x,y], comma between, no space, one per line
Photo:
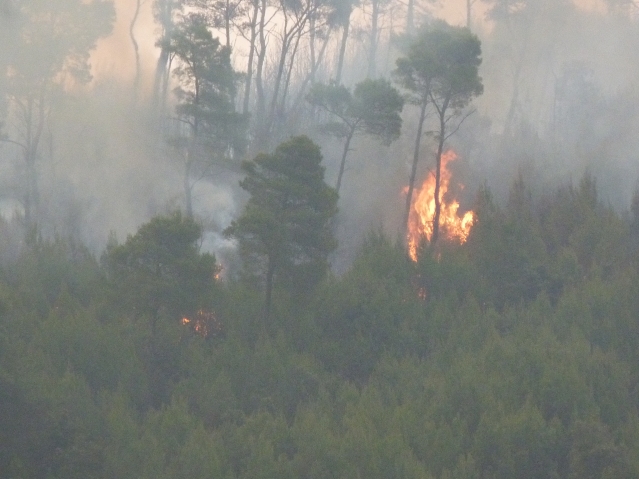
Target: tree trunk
[136,51]
[413,173]
[260,117]
[342,49]
[227,23]
[514,101]
[410,16]
[33,133]
[270,271]
[311,75]
[438,169]
[188,188]
[249,68]
[286,43]
[287,82]
[372,53]
[342,165]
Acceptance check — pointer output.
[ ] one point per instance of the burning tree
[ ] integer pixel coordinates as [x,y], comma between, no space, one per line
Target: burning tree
[160,271]
[421,219]
[440,69]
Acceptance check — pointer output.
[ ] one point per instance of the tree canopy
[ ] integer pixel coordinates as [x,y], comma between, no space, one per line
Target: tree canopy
[285,229]
[373,108]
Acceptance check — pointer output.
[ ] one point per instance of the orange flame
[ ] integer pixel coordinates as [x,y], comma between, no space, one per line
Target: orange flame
[420,221]
[205,323]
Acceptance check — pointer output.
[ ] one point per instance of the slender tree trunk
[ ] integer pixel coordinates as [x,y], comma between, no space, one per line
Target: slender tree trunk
[260,117]
[311,40]
[136,51]
[413,173]
[469,14]
[249,68]
[227,23]
[270,272]
[160,67]
[438,169]
[372,53]
[287,82]
[188,187]
[514,101]
[410,16]
[311,75]
[34,125]
[286,43]
[342,49]
[342,164]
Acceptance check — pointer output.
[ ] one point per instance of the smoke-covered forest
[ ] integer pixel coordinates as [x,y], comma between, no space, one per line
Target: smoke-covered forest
[319,239]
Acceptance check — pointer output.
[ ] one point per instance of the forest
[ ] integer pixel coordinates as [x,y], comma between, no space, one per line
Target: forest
[319,239]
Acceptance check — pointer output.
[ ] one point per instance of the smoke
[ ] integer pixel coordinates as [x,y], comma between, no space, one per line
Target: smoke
[560,96]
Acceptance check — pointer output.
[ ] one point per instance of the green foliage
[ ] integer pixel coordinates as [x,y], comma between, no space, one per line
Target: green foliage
[284,230]
[373,108]
[368,310]
[160,271]
[207,84]
[56,38]
[442,61]
[364,377]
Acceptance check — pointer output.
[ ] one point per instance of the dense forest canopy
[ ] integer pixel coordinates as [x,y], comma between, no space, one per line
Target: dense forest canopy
[319,239]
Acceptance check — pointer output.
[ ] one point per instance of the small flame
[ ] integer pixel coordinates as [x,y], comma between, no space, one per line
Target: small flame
[420,221]
[205,323]
[219,271]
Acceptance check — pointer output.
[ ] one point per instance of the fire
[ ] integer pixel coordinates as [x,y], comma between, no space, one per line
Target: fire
[205,323]
[420,221]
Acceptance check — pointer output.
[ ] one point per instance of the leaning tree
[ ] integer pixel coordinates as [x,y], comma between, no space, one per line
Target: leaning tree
[373,108]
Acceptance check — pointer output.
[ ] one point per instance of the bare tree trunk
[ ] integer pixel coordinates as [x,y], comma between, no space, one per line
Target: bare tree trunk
[136,50]
[160,69]
[413,173]
[249,68]
[227,23]
[342,49]
[372,53]
[188,187]
[342,164]
[286,43]
[311,75]
[270,272]
[438,171]
[287,82]
[514,101]
[33,133]
[410,16]
[260,117]
[311,40]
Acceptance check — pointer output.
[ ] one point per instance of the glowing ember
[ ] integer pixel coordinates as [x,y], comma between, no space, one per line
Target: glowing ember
[420,222]
[205,323]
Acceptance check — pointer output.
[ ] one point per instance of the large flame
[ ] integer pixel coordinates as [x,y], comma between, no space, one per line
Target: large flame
[420,220]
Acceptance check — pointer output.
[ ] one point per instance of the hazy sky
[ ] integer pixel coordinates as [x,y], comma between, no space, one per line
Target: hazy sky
[114,56]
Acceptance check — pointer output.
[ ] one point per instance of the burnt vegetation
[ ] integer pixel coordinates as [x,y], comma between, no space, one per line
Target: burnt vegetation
[281,306]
